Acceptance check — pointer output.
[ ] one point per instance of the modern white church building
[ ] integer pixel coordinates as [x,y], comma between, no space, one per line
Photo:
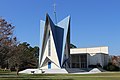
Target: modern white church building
[55,52]
[55,55]
[54,44]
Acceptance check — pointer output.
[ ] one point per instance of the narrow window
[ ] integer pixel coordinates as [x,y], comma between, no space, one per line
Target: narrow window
[49,46]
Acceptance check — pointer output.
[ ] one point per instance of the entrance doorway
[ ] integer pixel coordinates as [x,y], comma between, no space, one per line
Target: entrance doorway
[49,65]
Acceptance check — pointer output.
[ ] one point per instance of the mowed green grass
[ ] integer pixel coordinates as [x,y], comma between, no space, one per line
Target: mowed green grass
[97,76]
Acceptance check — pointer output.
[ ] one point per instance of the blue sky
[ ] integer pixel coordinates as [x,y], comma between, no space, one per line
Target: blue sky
[93,22]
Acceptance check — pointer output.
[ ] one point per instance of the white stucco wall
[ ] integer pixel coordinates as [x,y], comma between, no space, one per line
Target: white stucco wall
[89,50]
[53,55]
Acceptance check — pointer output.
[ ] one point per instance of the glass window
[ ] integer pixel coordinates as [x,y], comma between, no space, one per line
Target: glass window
[49,46]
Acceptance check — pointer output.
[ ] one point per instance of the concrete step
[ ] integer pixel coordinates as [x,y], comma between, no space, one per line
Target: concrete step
[75,70]
[55,71]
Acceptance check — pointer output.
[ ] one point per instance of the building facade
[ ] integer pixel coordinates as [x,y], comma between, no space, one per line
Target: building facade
[54,44]
[55,52]
[89,57]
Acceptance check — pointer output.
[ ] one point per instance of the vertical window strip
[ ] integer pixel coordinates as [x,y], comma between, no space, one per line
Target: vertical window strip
[49,46]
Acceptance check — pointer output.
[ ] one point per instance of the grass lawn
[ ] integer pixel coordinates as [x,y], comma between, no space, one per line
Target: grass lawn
[98,76]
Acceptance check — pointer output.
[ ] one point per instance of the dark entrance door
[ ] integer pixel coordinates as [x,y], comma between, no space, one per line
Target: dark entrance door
[49,65]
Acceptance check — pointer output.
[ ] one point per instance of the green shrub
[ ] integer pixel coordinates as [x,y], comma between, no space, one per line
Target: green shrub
[111,67]
[4,70]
